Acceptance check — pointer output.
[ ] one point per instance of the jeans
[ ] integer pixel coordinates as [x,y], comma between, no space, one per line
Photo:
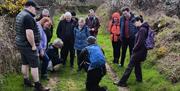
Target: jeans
[45,62]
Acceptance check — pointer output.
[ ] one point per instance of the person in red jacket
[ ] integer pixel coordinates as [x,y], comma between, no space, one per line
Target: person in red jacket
[114,28]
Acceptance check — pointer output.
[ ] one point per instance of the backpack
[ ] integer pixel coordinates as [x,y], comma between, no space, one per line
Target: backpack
[150,42]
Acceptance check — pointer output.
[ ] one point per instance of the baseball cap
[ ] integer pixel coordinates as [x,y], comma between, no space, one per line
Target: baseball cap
[32,3]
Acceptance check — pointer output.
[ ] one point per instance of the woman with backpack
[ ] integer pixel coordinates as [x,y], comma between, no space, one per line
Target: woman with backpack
[139,52]
[81,33]
[114,29]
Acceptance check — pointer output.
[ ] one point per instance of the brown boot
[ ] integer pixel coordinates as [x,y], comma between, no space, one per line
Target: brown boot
[38,87]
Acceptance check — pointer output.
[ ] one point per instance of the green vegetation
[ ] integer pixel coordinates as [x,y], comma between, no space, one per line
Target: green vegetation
[71,80]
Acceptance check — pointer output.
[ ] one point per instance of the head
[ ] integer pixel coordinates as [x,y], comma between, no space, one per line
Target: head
[73,14]
[81,22]
[91,13]
[45,13]
[116,17]
[31,6]
[62,17]
[126,11]
[46,22]
[68,16]
[138,21]
[91,40]
[58,43]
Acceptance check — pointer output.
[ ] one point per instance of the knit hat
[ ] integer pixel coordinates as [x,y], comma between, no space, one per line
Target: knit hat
[91,40]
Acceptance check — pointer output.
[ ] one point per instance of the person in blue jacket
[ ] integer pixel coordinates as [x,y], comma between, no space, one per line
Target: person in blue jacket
[127,32]
[94,56]
[81,33]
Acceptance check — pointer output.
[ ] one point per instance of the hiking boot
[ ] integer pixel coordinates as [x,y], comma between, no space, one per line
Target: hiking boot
[120,84]
[28,83]
[38,87]
[139,81]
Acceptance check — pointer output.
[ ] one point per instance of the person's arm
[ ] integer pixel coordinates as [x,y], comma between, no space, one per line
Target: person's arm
[59,29]
[140,39]
[121,28]
[30,38]
[97,24]
[29,24]
[84,55]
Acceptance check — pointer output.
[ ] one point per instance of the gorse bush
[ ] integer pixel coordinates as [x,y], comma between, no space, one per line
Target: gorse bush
[161,51]
[11,7]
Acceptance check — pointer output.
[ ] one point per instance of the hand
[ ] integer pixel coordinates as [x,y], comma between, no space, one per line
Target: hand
[42,53]
[34,48]
[92,29]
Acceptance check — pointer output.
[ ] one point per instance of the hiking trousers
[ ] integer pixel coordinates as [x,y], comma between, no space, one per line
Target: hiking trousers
[116,50]
[137,70]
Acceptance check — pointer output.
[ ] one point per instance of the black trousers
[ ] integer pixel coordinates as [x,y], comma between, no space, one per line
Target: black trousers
[116,50]
[127,73]
[127,42]
[93,78]
[78,59]
[68,47]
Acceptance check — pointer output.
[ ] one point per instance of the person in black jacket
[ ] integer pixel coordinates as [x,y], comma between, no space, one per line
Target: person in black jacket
[127,32]
[65,31]
[53,52]
[139,52]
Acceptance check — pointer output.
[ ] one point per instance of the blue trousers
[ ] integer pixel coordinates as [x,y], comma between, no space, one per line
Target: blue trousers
[44,65]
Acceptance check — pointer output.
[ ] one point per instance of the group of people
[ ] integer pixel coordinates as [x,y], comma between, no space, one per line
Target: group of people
[77,36]
[128,30]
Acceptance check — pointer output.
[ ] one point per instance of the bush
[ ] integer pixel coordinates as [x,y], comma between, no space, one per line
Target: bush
[161,51]
[11,7]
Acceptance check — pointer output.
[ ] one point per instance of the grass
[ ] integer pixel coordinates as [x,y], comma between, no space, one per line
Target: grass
[70,80]
[152,79]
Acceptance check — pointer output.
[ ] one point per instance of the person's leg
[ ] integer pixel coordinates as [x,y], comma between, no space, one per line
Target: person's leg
[118,50]
[45,62]
[64,53]
[127,72]
[138,71]
[34,63]
[114,51]
[124,49]
[89,81]
[35,74]
[72,54]
[25,68]
[131,45]
[25,71]
[78,59]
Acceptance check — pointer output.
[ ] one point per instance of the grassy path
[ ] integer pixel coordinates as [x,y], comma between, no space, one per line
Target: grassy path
[66,79]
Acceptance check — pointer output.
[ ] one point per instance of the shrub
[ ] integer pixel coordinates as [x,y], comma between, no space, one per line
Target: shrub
[11,7]
[161,51]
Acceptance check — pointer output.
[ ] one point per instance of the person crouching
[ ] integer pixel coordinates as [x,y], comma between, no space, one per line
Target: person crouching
[96,69]
[53,52]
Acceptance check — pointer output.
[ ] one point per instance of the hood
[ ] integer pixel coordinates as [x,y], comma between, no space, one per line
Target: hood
[146,25]
[116,15]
